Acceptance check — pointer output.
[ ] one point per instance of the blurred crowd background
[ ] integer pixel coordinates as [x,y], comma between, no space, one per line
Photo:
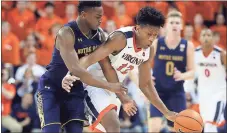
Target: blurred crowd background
[28,34]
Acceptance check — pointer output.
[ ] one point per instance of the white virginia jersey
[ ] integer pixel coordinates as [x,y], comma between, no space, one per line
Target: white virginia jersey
[127,59]
[210,72]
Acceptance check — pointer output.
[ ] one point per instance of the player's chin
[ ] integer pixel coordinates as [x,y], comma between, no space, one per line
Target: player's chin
[95,27]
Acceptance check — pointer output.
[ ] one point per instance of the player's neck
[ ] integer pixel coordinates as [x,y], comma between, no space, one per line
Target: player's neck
[82,26]
[173,39]
[207,49]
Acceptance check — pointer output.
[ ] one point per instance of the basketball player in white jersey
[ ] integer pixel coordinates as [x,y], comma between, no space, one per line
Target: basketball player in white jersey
[210,62]
[125,50]
[173,63]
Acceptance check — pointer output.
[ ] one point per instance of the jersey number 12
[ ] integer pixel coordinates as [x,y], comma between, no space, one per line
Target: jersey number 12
[124,68]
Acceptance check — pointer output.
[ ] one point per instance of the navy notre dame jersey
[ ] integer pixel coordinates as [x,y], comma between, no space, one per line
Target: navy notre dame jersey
[83,46]
[165,61]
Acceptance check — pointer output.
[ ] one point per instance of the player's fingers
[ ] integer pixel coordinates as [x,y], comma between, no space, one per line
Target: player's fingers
[66,87]
[134,108]
[177,79]
[130,113]
[133,112]
[152,77]
[69,83]
[71,79]
[74,78]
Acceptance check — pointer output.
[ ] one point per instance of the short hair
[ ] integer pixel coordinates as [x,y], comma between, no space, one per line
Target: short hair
[88,4]
[206,29]
[174,14]
[49,4]
[150,16]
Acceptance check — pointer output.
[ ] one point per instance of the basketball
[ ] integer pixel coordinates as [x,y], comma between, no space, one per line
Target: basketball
[188,121]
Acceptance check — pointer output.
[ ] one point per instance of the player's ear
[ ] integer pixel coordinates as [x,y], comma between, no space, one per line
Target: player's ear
[137,27]
[83,14]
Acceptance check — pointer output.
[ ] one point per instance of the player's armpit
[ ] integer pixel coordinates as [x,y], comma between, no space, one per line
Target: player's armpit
[115,43]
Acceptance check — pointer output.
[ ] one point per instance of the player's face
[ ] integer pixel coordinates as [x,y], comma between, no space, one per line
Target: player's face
[188,31]
[5,27]
[174,25]
[49,10]
[206,37]
[94,17]
[146,35]
[5,75]
[31,40]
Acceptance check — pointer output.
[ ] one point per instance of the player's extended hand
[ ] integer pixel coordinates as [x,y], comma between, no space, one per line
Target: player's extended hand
[67,82]
[171,116]
[177,75]
[117,88]
[129,106]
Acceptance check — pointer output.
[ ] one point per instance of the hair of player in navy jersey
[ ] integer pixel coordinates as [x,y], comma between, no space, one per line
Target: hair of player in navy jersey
[83,5]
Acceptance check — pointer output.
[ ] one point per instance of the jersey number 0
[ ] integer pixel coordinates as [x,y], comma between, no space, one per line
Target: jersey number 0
[169,68]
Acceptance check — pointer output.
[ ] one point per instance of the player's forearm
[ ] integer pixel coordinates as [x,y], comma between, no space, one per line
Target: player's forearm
[188,75]
[152,95]
[71,60]
[85,62]
[89,79]
[111,76]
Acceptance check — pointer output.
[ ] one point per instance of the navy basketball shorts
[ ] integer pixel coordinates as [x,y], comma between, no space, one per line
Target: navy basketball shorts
[174,101]
[56,106]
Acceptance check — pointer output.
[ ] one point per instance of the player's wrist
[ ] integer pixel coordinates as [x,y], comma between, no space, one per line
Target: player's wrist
[166,112]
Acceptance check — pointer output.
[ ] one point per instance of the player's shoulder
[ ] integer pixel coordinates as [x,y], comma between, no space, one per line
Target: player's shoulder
[65,30]
[127,31]
[217,49]
[198,49]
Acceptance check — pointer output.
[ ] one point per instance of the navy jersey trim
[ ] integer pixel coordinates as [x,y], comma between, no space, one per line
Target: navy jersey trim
[128,34]
[198,49]
[217,50]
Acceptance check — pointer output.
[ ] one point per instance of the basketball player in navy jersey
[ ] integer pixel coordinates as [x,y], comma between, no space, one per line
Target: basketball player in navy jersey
[173,63]
[58,109]
[126,49]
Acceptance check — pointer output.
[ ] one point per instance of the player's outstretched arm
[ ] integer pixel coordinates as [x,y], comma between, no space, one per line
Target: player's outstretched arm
[115,42]
[65,44]
[147,87]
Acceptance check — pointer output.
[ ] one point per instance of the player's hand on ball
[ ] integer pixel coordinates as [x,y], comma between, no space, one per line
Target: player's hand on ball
[177,75]
[129,106]
[67,82]
[171,116]
[117,88]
